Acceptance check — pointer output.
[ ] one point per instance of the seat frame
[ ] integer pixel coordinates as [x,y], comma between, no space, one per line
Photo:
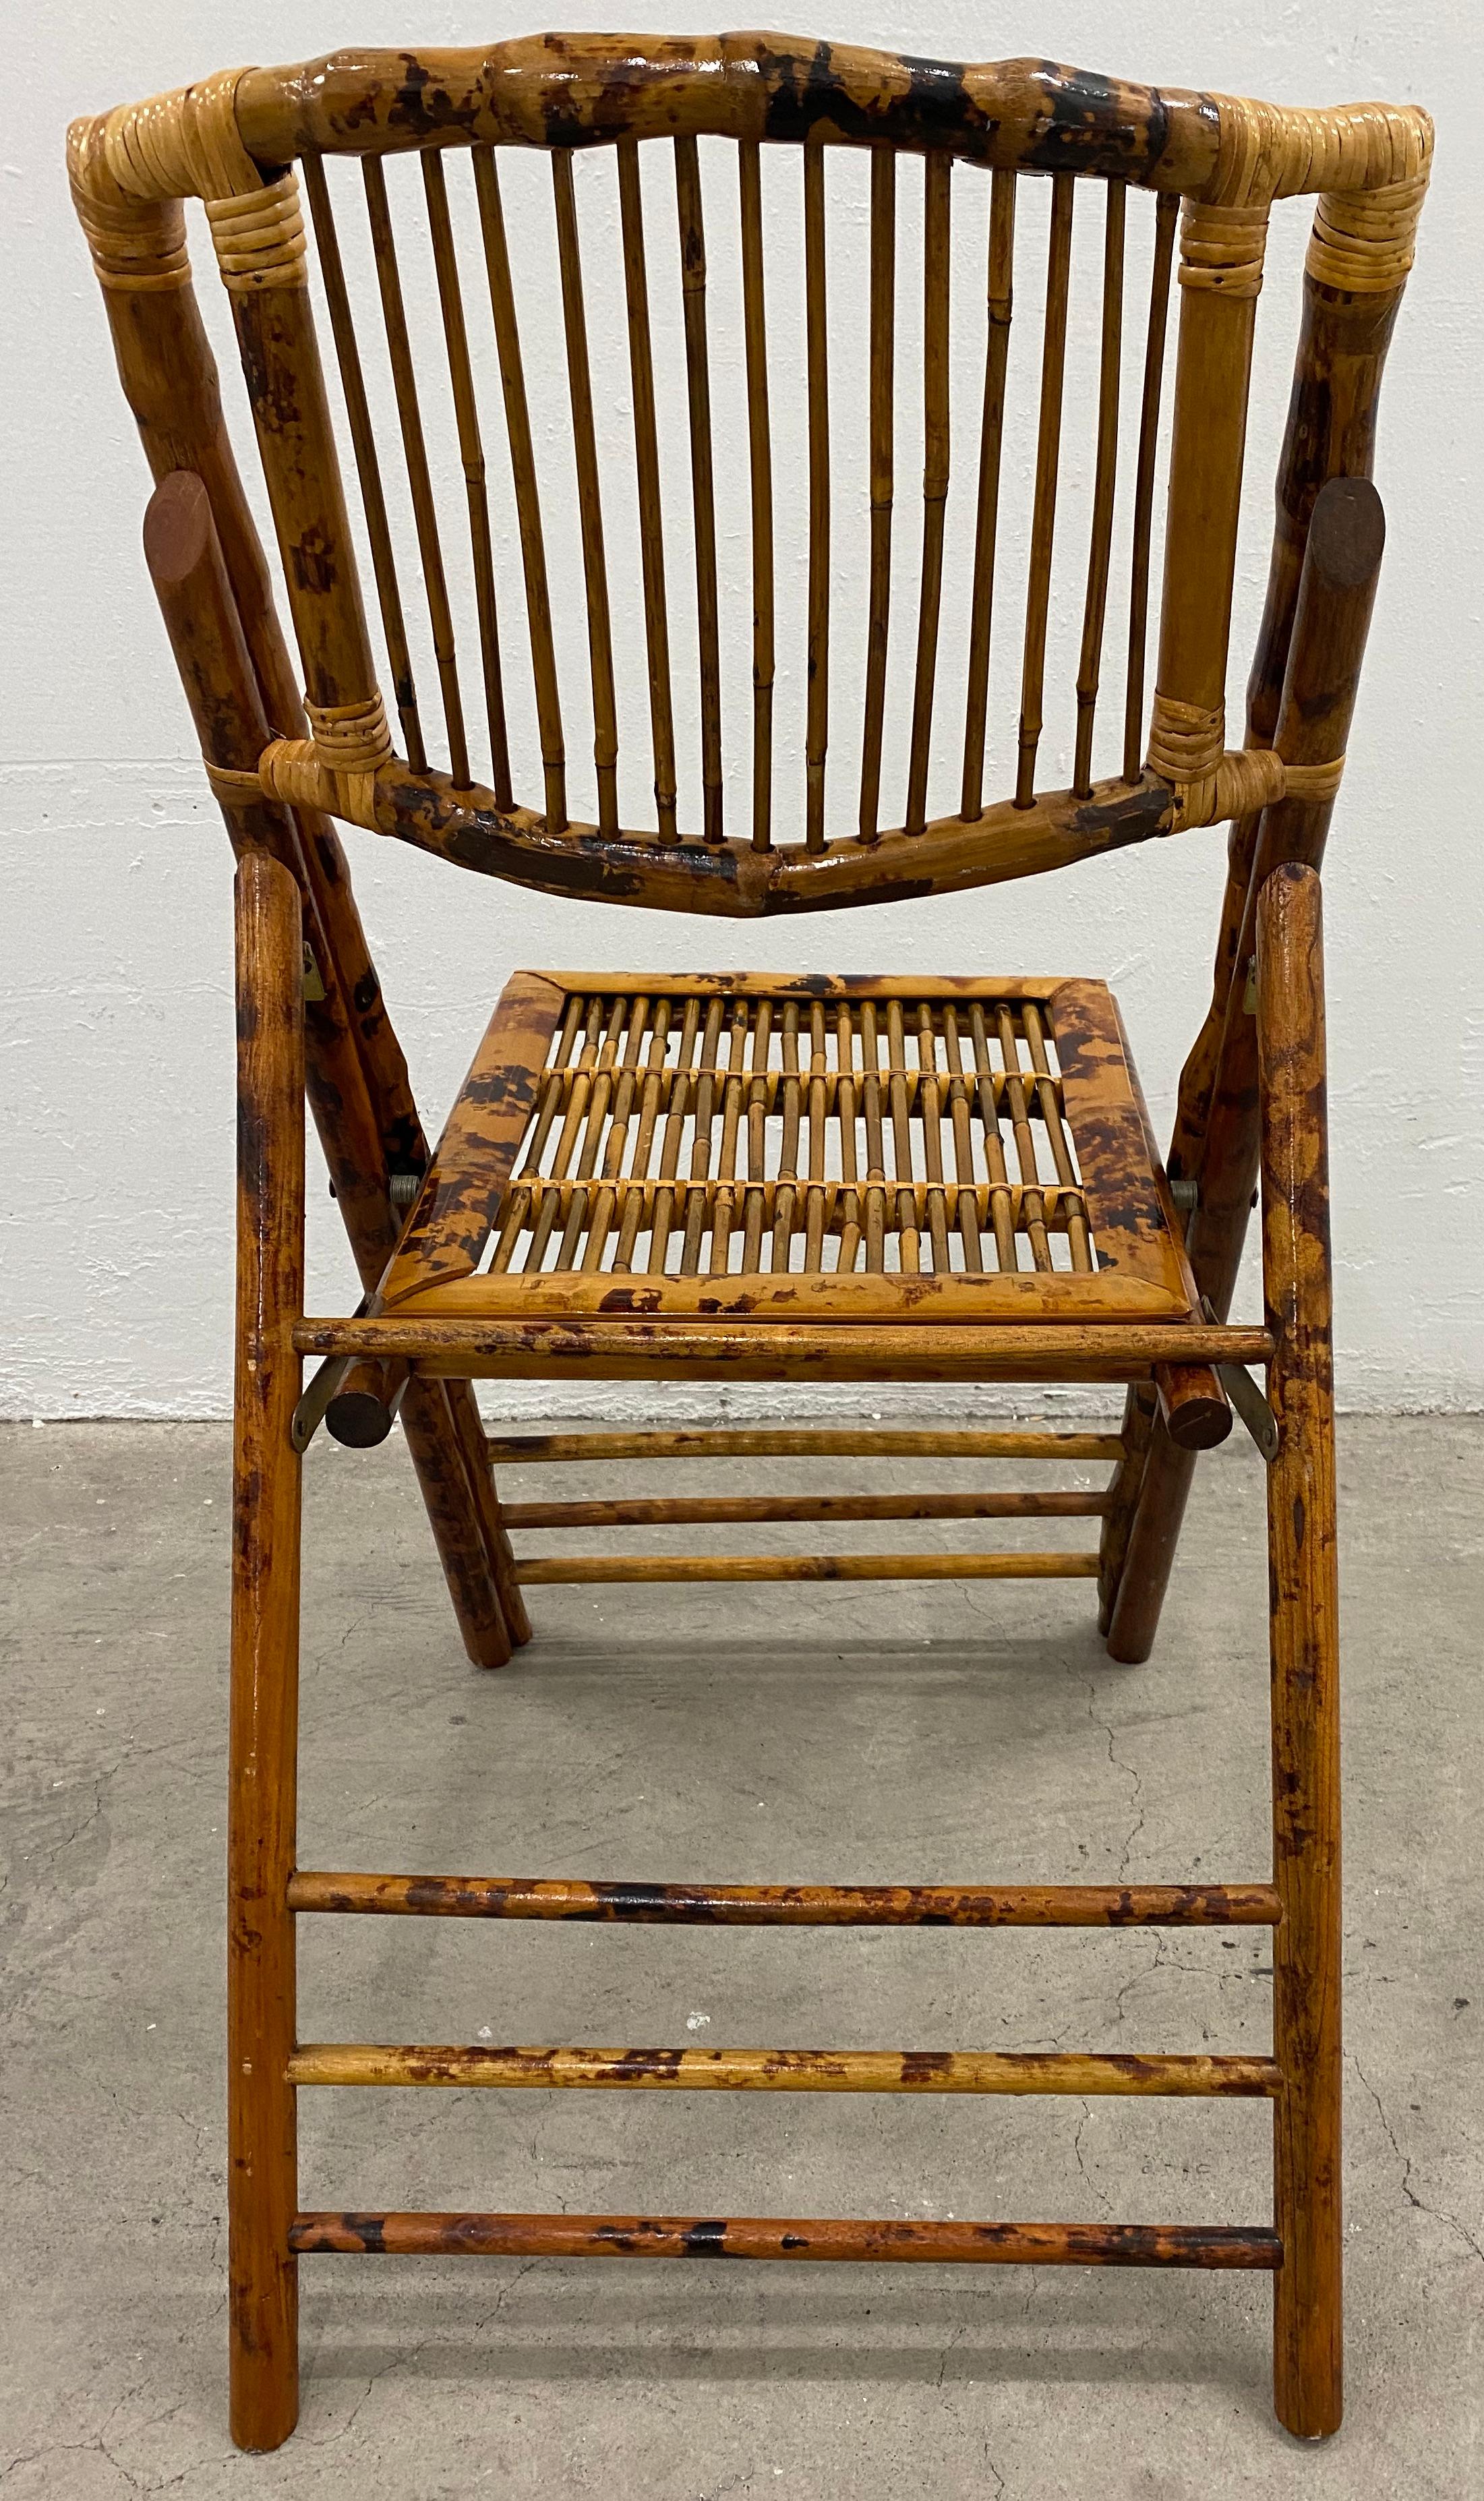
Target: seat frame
[311,1023]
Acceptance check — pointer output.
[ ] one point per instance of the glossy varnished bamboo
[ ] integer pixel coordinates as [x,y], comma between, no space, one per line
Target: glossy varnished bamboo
[698,389]
[1048,445]
[1002,252]
[1166,218]
[354,1073]
[599,632]
[783,2071]
[262,2159]
[1304,1600]
[368,466]
[646,458]
[816,340]
[399,349]
[760,481]
[471,456]
[883,385]
[684,2236]
[1100,554]
[695,1510]
[533,545]
[826,1906]
[1331,621]
[936,247]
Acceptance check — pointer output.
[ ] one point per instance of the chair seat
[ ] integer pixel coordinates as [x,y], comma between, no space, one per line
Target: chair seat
[746,1146]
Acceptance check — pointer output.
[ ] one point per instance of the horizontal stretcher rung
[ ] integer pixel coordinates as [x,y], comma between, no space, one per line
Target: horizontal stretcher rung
[783,2071]
[894,1346]
[683,2236]
[552,1568]
[528,1449]
[815,1906]
[705,1510]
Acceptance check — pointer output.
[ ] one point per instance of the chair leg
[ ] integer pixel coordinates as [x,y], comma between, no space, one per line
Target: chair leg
[262,2153]
[1307,2350]
[1160,1493]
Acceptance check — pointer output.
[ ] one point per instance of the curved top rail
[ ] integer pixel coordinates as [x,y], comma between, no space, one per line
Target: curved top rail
[586,90]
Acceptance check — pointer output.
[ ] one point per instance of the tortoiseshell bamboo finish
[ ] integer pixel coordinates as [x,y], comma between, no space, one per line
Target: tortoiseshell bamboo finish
[738,1176]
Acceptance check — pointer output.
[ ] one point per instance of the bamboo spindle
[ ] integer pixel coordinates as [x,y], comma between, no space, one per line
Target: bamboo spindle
[472,459]
[419,481]
[760,472]
[1095,607]
[600,637]
[262,2169]
[883,314]
[1308,2344]
[1342,560]
[1166,218]
[517,423]
[937,170]
[817,707]
[1043,510]
[698,388]
[1002,248]
[646,458]
[368,467]
[1220,277]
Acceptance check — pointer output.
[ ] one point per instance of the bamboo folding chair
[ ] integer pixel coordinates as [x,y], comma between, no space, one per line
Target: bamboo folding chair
[749,1178]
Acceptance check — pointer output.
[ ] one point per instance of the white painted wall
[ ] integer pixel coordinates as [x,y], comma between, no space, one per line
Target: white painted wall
[117,1099]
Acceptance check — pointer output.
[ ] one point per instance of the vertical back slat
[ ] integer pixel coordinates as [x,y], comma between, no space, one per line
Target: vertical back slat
[883,314]
[368,467]
[817,709]
[600,637]
[936,172]
[647,457]
[698,391]
[1166,220]
[409,419]
[517,421]
[1095,607]
[472,459]
[760,460]
[1002,254]
[1044,514]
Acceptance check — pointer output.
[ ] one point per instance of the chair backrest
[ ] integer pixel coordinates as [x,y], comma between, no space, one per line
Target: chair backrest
[743,822]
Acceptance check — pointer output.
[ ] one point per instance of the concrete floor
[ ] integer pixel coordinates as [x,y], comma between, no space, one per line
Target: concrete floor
[928,1731]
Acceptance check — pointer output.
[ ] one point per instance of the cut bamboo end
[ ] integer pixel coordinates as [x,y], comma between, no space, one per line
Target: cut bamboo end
[784,2071]
[672,2236]
[547,1569]
[766,1906]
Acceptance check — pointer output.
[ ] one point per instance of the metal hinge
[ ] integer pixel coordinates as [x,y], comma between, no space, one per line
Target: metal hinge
[1250,1402]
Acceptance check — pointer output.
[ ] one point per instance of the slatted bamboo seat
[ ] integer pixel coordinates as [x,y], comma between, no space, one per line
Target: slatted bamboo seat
[751,1177]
